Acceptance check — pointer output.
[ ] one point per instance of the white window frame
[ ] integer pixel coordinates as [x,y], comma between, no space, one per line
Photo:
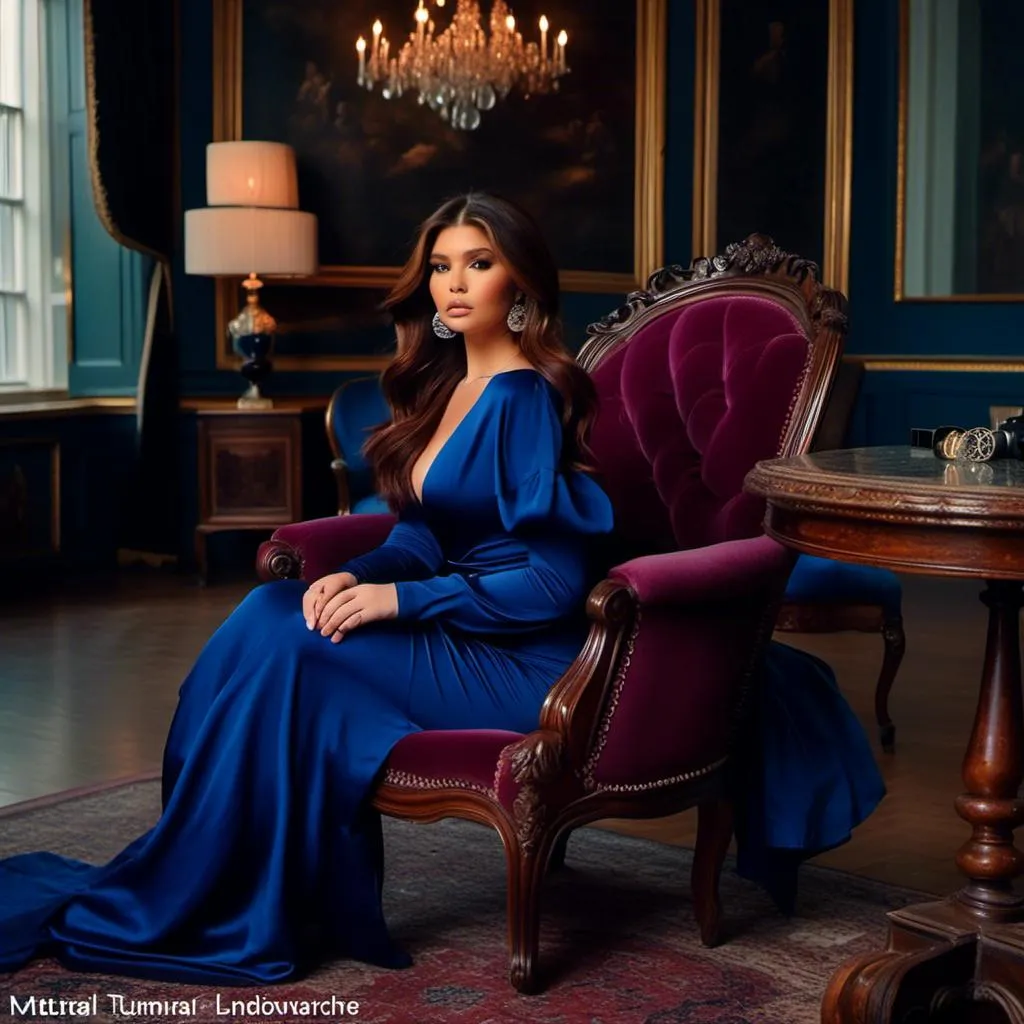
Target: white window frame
[34,365]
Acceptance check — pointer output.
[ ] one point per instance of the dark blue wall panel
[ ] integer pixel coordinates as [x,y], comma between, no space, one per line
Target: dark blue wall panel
[96,454]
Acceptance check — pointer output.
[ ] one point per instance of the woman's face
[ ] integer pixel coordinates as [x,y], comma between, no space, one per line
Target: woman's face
[470,286]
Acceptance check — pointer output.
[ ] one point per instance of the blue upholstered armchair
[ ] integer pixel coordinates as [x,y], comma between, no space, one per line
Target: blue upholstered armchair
[355,407]
[823,596]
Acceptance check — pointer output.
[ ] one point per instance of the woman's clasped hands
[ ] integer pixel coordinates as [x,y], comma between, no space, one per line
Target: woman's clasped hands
[337,604]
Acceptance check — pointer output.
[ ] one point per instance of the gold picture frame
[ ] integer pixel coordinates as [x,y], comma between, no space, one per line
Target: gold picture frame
[648,188]
[838,146]
[899,267]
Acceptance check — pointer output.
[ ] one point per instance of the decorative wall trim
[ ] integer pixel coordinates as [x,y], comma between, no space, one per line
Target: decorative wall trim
[927,364]
[839,146]
[838,138]
[901,152]
[988,297]
[649,175]
[899,262]
[52,408]
[705,127]
[206,403]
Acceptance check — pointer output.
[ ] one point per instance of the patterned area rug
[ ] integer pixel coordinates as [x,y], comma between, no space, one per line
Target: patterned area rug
[618,942]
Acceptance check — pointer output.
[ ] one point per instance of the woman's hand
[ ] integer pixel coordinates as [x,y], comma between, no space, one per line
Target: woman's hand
[356,606]
[320,592]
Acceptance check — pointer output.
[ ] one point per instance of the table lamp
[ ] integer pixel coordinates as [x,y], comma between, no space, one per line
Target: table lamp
[251,226]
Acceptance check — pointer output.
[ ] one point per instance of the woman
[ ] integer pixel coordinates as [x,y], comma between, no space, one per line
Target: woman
[267,857]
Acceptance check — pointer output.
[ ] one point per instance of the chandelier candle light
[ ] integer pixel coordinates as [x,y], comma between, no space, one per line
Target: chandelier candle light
[462,71]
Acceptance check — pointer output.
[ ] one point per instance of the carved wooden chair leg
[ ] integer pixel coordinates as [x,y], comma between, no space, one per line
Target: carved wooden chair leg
[895,645]
[525,877]
[557,858]
[714,833]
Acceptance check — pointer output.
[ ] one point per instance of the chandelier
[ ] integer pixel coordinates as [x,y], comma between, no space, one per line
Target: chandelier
[462,71]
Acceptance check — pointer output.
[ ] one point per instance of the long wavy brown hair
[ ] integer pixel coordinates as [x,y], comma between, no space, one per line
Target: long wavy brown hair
[420,380]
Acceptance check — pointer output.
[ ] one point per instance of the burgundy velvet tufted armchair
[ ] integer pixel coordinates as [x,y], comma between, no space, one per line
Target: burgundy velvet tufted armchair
[707,371]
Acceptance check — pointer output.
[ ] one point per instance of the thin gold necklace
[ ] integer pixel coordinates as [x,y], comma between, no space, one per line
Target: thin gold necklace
[486,376]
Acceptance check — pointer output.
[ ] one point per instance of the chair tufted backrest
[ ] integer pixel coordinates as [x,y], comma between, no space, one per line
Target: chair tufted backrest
[699,383]
[708,372]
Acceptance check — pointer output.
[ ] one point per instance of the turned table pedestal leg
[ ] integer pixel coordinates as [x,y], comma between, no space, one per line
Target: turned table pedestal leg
[961,960]
[994,768]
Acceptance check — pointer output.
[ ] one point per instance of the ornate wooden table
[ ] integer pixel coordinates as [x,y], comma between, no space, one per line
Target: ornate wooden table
[960,959]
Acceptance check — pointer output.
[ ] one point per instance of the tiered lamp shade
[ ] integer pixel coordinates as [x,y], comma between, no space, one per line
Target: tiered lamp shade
[251,174]
[240,240]
[252,224]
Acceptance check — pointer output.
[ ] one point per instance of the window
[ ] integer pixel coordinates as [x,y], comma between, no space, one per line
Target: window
[28,356]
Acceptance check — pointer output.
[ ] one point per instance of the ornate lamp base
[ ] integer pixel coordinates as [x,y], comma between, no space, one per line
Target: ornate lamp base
[254,369]
[252,337]
[252,399]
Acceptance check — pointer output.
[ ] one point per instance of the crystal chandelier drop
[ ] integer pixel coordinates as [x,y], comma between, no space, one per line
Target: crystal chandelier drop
[462,70]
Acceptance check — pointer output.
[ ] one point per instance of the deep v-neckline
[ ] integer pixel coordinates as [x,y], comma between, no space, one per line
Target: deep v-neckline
[458,426]
[448,440]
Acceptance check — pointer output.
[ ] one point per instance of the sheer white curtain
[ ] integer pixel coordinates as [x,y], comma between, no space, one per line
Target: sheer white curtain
[27,356]
[13,297]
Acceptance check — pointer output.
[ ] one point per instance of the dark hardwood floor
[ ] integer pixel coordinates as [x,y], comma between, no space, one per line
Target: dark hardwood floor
[89,676]
[89,679]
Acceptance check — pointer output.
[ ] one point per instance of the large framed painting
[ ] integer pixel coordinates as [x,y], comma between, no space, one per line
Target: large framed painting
[960,172]
[773,145]
[586,159]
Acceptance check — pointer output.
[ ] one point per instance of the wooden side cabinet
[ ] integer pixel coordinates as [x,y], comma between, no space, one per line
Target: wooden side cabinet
[250,472]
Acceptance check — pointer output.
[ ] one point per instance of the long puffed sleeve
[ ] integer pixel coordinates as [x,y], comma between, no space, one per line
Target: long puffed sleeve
[550,513]
[411,552]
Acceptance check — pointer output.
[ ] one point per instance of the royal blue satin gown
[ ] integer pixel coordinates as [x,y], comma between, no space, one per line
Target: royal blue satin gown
[267,858]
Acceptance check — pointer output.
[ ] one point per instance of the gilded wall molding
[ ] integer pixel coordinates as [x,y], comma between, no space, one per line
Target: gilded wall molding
[938,364]
[901,154]
[900,255]
[838,139]
[61,407]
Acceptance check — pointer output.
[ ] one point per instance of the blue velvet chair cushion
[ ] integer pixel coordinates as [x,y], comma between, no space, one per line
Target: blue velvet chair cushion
[371,504]
[824,581]
[358,407]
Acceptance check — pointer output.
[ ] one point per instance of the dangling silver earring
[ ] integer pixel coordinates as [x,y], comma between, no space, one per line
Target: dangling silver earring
[517,316]
[441,329]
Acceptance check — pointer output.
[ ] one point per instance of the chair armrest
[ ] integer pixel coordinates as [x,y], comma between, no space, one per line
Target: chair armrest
[714,573]
[317,547]
[753,570]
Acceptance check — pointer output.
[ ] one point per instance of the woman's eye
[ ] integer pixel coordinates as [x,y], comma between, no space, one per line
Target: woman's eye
[438,268]
[481,264]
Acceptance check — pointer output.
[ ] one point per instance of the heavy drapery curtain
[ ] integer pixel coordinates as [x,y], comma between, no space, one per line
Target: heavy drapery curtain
[131,67]
[131,80]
